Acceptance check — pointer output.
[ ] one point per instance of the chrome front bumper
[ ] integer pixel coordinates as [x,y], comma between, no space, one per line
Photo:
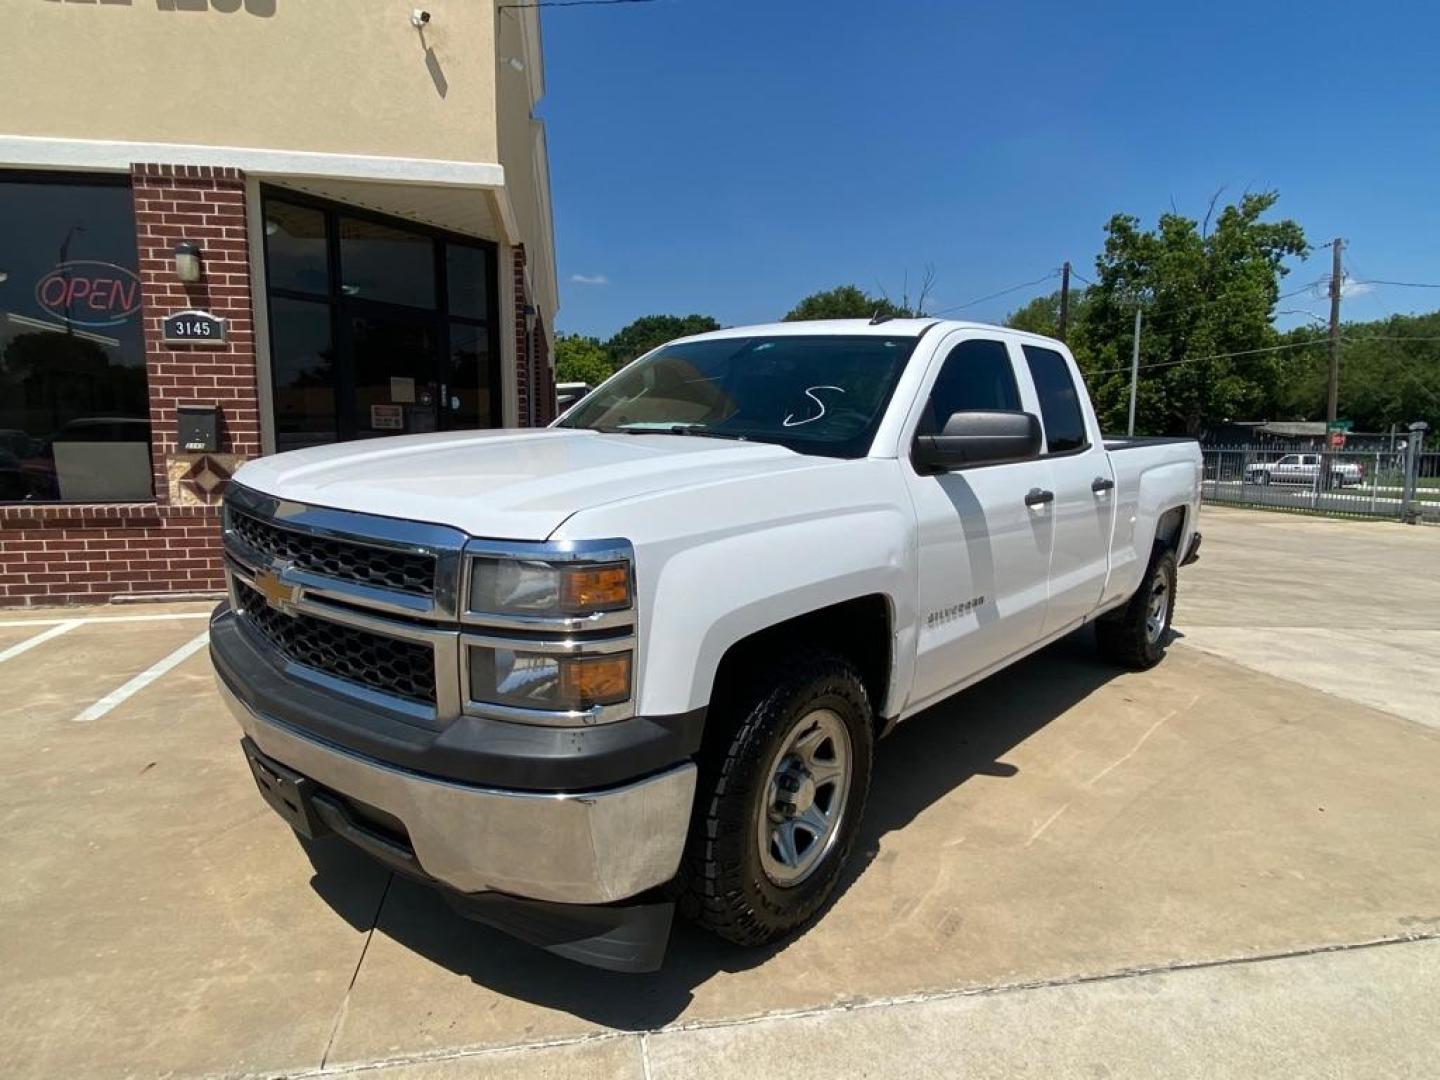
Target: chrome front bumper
[576,848]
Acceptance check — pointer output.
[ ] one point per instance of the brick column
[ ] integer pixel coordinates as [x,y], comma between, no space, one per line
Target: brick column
[545,386]
[522,340]
[538,355]
[204,205]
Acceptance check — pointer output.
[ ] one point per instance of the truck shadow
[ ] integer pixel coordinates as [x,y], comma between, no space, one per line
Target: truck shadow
[925,758]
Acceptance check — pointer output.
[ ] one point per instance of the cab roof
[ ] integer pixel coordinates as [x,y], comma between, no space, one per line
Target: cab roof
[852,327]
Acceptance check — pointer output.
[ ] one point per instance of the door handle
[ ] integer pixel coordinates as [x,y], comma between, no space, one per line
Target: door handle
[1039,497]
[1101,483]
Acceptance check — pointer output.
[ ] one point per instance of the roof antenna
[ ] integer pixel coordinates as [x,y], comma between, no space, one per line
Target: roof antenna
[877,318]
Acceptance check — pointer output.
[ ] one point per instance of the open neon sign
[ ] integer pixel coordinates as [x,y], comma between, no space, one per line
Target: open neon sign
[89,293]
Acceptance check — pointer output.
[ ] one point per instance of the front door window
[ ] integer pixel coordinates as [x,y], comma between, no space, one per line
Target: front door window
[395,362]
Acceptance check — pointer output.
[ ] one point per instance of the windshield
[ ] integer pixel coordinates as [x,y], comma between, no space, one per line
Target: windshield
[821,394]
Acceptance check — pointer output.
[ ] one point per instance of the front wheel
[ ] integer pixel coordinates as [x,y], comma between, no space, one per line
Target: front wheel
[1136,635]
[779,804]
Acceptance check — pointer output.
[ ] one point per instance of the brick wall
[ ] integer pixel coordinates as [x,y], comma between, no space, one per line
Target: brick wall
[538,348]
[545,411]
[71,553]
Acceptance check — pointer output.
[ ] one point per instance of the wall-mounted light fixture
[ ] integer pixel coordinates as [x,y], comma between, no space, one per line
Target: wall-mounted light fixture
[187,261]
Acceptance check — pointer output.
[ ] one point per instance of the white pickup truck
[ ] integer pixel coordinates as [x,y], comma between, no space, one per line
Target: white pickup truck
[574,677]
[1303,469]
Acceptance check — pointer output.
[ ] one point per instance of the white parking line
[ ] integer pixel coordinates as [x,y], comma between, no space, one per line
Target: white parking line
[30,642]
[105,619]
[144,679]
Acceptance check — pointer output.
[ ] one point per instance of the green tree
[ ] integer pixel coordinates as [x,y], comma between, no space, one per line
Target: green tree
[1042,315]
[1204,292]
[844,302]
[581,359]
[648,331]
[1389,373]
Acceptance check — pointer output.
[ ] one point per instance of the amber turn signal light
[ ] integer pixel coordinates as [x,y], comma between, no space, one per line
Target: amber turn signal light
[604,587]
[595,680]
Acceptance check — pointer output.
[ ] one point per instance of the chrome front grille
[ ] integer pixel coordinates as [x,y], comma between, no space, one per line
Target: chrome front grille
[377,662]
[361,604]
[344,560]
[376,608]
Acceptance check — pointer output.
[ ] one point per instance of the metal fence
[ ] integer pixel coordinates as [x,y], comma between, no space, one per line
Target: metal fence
[1345,483]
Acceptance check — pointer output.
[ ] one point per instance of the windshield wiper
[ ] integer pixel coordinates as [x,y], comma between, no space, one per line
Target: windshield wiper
[698,430]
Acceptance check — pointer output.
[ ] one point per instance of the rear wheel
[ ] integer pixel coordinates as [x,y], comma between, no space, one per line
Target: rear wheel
[779,804]
[1136,635]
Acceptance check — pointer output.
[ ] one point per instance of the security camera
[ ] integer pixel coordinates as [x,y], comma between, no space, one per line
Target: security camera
[419,17]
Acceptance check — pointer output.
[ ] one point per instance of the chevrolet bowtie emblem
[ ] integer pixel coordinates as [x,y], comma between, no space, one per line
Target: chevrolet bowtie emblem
[276,592]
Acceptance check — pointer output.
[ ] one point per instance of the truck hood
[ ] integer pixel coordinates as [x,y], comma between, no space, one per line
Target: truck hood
[507,485]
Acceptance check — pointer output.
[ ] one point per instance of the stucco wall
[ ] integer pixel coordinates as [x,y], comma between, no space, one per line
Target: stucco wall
[523,152]
[335,76]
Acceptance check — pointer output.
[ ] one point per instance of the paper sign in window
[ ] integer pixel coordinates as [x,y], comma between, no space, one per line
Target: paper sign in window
[387,417]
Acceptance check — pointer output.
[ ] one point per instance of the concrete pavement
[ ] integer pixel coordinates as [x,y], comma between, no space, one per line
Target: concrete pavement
[1347,607]
[1206,869]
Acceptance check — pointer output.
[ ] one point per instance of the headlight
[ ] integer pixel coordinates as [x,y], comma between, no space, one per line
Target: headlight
[554,682]
[535,587]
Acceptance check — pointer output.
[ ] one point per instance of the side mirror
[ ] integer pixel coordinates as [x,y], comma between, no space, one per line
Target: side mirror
[988,437]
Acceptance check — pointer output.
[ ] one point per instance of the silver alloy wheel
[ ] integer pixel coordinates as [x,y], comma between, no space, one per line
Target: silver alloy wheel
[804,798]
[1159,608]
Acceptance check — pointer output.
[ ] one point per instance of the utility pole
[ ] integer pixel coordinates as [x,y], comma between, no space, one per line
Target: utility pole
[1064,299]
[1336,278]
[1134,371]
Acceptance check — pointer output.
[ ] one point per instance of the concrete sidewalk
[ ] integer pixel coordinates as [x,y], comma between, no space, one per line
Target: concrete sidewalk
[1206,869]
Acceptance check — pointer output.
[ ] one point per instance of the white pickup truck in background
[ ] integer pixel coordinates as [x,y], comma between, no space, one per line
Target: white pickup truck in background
[1303,469]
[573,677]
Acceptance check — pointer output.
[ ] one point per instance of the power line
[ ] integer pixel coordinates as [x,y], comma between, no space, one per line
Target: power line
[1003,292]
[1313,343]
[1222,356]
[1402,284]
[1362,336]
[570,3]
[1221,299]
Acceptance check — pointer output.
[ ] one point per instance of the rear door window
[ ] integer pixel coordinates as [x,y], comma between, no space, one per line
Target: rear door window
[976,375]
[1059,400]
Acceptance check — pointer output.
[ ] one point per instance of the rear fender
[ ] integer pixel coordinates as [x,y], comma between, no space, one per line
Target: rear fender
[1162,489]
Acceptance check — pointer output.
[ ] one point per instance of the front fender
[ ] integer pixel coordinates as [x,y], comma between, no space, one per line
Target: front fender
[707,596]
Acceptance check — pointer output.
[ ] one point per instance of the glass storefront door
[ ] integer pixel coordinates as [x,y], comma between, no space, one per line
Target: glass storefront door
[377,327]
[396,362]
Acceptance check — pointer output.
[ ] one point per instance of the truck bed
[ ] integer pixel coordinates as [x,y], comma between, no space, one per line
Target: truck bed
[1115,443]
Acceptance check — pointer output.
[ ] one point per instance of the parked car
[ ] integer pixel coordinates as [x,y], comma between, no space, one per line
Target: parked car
[575,677]
[1303,469]
[568,393]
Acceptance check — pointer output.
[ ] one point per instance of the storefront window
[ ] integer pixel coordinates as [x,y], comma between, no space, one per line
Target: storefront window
[402,340]
[378,262]
[468,281]
[303,360]
[295,239]
[74,413]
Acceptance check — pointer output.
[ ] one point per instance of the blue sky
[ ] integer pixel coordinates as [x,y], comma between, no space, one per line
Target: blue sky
[731,156]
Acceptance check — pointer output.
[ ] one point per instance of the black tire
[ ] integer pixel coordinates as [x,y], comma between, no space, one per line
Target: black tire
[722,884]
[1127,635]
